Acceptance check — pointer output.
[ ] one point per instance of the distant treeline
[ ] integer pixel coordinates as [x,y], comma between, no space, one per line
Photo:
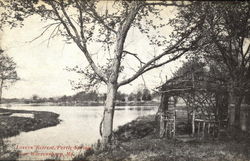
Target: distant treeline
[141,97]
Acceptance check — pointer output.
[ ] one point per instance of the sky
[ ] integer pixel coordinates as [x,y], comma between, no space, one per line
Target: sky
[41,66]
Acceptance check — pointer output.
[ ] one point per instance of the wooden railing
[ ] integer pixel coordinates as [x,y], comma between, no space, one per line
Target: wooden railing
[209,127]
[200,127]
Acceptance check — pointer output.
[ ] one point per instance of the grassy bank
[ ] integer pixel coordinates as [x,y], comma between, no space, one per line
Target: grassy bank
[139,141]
[13,125]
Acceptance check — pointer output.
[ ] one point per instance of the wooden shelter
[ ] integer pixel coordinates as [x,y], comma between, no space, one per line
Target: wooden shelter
[206,103]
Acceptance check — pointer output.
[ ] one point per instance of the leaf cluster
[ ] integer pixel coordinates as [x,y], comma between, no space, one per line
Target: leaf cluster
[8,74]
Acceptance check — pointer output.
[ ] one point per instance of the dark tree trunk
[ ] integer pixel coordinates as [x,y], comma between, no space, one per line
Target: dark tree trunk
[235,100]
[222,106]
[238,101]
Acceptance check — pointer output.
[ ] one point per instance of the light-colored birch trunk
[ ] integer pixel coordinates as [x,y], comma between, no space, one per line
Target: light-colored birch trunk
[108,114]
[1,91]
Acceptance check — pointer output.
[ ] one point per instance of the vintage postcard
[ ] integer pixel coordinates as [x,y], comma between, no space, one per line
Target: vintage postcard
[124,80]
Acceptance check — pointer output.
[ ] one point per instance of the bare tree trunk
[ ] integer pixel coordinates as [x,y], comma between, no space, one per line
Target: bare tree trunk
[108,115]
[0,95]
[1,91]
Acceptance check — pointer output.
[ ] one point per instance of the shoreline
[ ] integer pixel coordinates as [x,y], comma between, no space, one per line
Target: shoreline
[145,103]
[13,125]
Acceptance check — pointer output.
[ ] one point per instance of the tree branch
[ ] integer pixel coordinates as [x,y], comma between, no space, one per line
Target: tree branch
[81,45]
[223,53]
[80,20]
[62,21]
[146,67]
[166,4]
[46,28]
[165,62]
[245,55]
[135,55]
[121,37]
[99,19]
[69,21]
[52,35]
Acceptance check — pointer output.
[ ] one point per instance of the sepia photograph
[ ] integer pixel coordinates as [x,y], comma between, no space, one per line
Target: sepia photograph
[124,80]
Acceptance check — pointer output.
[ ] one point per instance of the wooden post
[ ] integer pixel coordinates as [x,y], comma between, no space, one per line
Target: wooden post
[219,128]
[198,128]
[208,128]
[162,125]
[162,112]
[203,128]
[168,128]
[213,129]
[193,125]
[174,124]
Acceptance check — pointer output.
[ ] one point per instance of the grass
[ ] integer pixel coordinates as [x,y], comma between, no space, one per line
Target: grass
[139,141]
[6,154]
[11,126]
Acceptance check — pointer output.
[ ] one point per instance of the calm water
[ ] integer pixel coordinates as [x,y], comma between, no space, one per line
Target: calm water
[79,127]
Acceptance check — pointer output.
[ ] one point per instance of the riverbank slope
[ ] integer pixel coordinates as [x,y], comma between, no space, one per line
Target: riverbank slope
[139,141]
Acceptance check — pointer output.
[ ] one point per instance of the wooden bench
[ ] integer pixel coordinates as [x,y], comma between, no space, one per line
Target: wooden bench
[209,127]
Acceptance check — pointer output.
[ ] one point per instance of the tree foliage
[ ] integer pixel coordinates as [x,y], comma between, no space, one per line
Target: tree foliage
[224,43]
[139,96]
[8,74]
[146,95]
[225,39]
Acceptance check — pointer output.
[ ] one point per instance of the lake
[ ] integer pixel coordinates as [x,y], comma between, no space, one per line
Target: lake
[77,131]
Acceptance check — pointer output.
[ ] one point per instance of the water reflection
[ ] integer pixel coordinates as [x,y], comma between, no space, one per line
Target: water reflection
[79,126]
